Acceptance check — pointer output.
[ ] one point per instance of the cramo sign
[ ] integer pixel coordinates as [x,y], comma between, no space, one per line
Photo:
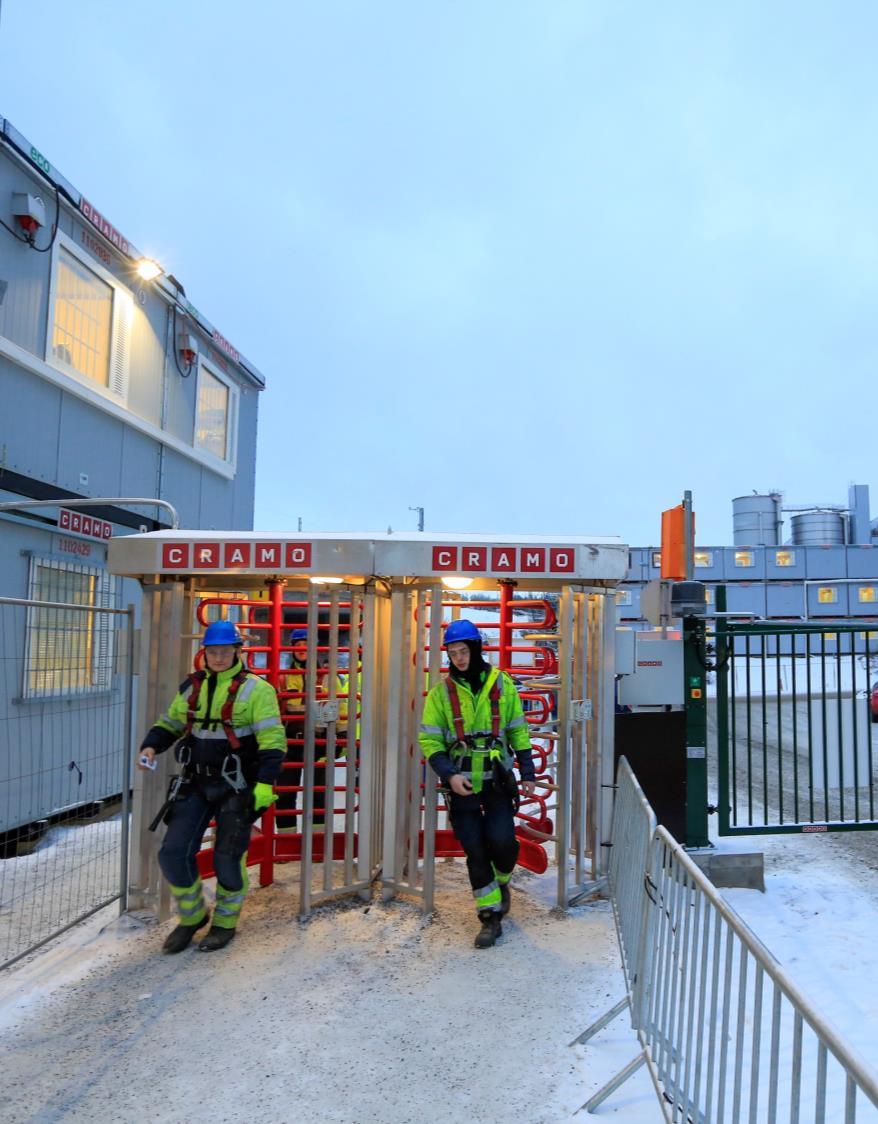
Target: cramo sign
[236,556]
[422,558]
[504,559]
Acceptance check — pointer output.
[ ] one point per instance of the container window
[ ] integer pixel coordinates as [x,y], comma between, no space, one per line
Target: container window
[215,419]
[784,558]
[623,596]
[91,318]
[657,559]
[867,593]
[703,558]
[744,558]
[68,650]
[827,594]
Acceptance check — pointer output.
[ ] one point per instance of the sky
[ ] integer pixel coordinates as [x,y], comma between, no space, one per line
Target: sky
[537,269]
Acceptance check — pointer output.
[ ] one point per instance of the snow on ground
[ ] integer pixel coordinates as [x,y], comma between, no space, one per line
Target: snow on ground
[73,869]
[366,1013]
[819,918]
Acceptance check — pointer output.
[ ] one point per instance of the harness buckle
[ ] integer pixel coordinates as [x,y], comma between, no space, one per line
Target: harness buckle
[235,778]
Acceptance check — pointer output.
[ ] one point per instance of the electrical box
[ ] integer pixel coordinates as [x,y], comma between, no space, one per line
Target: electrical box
[30,210]
[658,675]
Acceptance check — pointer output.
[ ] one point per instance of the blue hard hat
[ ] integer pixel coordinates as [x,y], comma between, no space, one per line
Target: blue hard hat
[461,630]
[299,634]
[221,632]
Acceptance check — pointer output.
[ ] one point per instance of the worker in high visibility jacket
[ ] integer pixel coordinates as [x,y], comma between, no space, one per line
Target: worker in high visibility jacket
[473,726]
[294,685]
[230,743]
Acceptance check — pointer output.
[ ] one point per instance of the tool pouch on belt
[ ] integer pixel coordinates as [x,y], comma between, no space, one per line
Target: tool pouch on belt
[504,781]
[178,789]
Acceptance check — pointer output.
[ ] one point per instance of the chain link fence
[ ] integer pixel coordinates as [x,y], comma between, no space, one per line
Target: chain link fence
[66,678]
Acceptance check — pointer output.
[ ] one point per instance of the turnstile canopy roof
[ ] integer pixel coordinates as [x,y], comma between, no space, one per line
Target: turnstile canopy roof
[250,557]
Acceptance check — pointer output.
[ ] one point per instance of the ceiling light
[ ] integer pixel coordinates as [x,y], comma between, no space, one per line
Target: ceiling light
[454,581]
[326,581]
[148,270]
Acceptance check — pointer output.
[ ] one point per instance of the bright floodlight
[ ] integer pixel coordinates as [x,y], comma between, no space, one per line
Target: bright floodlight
[148,270]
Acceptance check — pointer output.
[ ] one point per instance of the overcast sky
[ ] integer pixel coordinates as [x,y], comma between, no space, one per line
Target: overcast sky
[538,268]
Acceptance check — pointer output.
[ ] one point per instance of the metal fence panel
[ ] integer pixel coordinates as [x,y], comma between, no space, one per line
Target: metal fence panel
[726,1034]
[65,720]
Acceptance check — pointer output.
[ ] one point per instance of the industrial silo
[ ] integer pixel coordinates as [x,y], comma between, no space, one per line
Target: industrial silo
[818,528]
[756,520]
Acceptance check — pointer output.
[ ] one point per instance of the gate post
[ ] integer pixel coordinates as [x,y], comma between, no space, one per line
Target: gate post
[694,697]
[164,641]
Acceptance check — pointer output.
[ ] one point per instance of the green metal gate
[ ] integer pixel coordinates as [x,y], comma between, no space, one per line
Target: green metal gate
[794,729]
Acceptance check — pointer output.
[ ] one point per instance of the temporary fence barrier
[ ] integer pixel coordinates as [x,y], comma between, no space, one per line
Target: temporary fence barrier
[65,761]
[724,1031]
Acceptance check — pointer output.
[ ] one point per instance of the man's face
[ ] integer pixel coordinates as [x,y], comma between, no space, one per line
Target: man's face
[300,651]
[459,654]
[220,657]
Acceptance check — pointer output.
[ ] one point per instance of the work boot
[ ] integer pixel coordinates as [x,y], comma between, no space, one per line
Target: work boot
[505,898]
[181,937]
[216,938]
[491,928]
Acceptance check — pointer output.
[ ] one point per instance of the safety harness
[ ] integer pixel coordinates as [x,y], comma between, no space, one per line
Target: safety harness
[230,770]
[465,752]
[196,679]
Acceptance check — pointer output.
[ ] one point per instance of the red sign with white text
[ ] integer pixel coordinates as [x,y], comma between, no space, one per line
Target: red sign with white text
[280,557]
[89,525]
[504,559]
[236,556]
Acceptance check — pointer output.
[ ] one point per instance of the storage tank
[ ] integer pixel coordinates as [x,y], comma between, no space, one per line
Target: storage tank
[818,528]
[756,520]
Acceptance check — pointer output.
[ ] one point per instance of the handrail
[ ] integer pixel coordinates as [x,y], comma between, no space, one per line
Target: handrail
[95,501]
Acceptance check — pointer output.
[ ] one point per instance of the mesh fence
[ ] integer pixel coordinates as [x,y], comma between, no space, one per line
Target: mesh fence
[65,706]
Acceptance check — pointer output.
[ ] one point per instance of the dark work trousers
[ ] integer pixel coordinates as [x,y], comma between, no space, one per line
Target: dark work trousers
[485,828]
[205,800]
[292,775]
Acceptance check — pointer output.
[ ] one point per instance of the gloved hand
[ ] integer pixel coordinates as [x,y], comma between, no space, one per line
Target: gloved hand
[263,796]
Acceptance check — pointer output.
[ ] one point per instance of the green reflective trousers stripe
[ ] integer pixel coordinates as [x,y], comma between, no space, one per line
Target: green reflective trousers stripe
[190,903]
[229,902]
[487,897]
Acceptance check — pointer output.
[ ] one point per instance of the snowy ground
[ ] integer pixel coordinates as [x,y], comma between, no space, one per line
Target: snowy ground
[819,918]
[367,1013]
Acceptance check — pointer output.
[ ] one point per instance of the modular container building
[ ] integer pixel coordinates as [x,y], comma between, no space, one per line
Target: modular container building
[113,385]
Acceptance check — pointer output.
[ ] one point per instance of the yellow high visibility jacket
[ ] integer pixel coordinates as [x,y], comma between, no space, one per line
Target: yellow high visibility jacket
[438,738]
[255,720]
